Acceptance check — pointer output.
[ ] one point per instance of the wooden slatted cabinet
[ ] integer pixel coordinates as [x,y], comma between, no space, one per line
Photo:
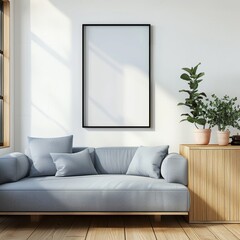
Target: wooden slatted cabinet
[213,182]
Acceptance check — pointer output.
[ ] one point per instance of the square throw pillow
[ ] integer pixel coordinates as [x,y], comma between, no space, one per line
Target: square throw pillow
[39,150]
[147,161]
[75,164]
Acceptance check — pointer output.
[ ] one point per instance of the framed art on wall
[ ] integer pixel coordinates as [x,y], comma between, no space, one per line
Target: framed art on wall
[116,76]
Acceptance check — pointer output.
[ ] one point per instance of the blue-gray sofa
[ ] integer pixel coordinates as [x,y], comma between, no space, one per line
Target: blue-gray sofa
[111,190]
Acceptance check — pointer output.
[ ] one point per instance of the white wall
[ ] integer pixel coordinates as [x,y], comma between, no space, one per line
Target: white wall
[47,62]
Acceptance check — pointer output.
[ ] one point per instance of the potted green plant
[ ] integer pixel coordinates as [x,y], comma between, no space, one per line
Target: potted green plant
[195,103]
[223,112]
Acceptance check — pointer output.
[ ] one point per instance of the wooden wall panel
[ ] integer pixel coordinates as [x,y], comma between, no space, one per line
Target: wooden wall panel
[6,73]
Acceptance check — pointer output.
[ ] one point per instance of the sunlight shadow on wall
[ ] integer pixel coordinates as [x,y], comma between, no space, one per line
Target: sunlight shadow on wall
[51,83]
[44,45]
[51,92]
[41,119]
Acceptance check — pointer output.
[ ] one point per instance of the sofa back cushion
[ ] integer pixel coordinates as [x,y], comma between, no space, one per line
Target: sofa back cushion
[113,160]
[39,150]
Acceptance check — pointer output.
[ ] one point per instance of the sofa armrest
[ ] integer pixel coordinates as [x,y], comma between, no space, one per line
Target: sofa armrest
[13,167]
[174,169]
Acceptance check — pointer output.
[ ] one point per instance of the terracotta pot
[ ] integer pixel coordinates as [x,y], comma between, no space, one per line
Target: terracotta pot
[202,136]
[223,137]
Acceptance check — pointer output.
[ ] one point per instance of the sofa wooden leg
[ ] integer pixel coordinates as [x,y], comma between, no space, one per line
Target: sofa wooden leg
[157,218]
[35,218]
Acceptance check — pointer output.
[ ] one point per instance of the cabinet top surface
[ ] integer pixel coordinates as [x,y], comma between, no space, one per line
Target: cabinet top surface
[209,146]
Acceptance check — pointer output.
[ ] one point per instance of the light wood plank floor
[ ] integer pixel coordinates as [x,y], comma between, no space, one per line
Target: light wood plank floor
[113,228]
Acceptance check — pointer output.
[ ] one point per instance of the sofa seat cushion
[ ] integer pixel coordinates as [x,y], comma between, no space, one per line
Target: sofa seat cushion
[93,193]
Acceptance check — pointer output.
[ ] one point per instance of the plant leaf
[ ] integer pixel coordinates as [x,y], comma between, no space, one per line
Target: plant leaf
[183,120]
[200,74]
[193,76]
[201,121]
[187,70]
[184,76]
[190,119]
[195,69]
[203,94]
[187,91]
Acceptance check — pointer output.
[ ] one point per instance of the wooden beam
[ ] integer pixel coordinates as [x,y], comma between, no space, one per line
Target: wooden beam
[6,73]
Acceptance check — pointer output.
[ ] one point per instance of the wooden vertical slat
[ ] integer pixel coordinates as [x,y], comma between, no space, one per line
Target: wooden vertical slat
[227,173]
[195,189]
[213,191]
[221,181]
[233,187]
[238,183]
[191,185]
[210,187]
[199,185]
[6,73]
[204,166]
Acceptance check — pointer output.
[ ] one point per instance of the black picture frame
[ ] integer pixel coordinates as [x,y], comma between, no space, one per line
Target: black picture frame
[85,123]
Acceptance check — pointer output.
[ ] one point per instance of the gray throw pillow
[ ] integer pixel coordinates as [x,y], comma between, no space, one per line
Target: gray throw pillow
[39,153]
[147,161]
[75,164]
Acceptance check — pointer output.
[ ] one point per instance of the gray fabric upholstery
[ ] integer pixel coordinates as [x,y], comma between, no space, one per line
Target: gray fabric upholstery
[113,159]
[13,167]
[93,193]
[79,149]
[103,192]
[39,153]
[73,164]
[174,169]
[147,161]
[91,152]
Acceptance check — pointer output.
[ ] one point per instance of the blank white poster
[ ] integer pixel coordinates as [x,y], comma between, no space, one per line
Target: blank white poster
[116,76]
